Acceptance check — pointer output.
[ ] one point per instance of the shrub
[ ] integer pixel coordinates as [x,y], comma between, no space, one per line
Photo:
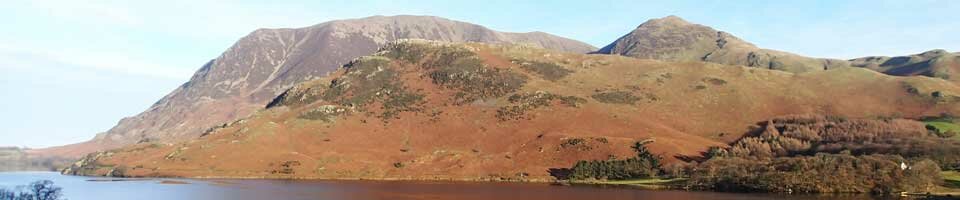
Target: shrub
[616,97]
[394,104]
[325,113]
[547,71]
[948,134]
[286,167]
[716,152]
[526,102]
[477,82]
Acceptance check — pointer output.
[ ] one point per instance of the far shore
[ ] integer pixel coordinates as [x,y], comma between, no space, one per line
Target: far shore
[642,184]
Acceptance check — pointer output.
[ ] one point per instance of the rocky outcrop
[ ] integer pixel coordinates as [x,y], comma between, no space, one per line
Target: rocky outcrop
[86,165]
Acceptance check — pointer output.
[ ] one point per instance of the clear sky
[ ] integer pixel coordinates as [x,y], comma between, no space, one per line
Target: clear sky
[70,69]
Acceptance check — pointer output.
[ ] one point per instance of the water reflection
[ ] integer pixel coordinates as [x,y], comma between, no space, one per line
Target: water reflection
[79,188]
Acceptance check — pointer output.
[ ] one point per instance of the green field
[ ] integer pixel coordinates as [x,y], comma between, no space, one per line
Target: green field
[944,126]
[951,178]
[639,181]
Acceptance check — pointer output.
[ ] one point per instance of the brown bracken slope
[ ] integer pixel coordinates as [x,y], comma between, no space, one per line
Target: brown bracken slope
[431,110]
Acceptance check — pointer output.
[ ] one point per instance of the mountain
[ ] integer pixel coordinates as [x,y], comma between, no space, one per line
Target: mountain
[266,62]
[432,110]
[674,39]
[20,159]
[935,63]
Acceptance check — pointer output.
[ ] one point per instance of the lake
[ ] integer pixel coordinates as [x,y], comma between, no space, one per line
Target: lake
[81,188]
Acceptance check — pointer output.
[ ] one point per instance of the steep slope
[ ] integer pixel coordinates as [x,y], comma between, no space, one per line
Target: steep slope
[674,39]
[429,110]
[935,63]
[266,62]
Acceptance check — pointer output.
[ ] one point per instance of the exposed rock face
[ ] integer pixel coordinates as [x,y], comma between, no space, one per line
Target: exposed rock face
[674,39]
[266,62]
[934,63]
[87,164]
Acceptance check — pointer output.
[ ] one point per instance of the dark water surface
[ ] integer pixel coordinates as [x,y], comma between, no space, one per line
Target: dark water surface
[81,188]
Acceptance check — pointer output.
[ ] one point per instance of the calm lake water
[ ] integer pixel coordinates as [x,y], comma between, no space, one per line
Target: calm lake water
[81,188]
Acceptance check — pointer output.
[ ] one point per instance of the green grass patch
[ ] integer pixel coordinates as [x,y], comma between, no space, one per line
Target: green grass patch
[951,179]
[647,183]
[944,127]
[650,181]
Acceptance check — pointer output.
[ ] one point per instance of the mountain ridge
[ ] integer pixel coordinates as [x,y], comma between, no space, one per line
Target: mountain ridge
[271,61]
[672,38]
[265,62]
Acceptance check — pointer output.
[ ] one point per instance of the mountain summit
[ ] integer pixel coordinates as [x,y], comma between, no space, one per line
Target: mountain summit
[266,62]
[674,39]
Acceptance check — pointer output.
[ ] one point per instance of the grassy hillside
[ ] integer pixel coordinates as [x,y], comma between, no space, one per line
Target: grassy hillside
[427,110]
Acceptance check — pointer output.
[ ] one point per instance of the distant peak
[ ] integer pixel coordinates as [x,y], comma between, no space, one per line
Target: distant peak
[934,52]
[673,17]
[671,20]
[404,17]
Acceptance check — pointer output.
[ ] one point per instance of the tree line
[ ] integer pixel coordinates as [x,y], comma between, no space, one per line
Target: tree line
[644,165]
[803,154]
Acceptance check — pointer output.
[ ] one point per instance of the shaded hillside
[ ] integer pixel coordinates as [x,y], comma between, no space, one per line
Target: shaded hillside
[429,110]
[268,61]
[674,39]
[935,63]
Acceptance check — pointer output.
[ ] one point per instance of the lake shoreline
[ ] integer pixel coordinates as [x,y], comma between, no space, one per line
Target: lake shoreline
[613,187]
[640,184]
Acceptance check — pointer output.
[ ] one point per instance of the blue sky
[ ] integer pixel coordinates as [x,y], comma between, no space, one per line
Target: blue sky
[70,69]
